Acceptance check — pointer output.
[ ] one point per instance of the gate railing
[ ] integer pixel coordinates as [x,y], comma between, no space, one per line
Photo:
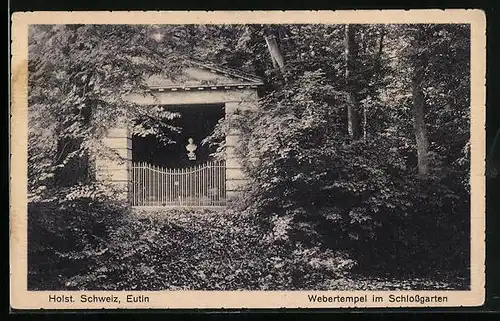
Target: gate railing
[200,185]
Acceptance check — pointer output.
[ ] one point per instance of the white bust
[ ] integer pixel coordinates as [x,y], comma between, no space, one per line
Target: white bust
[191,147]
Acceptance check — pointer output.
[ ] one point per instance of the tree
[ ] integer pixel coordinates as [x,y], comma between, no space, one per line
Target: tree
[351,56]
[418,115]
[275,52]
[366,191]
[78,77]
[419,61]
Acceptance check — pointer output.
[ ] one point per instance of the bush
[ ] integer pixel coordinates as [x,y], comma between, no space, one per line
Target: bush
[208,250]
[363,197]
[67,234]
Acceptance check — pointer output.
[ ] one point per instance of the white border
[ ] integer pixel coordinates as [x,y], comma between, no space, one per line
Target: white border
[21,298]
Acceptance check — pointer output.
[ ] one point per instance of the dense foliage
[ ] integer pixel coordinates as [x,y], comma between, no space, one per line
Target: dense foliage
[365,193]
[67,237]
[357,156]
[213,250]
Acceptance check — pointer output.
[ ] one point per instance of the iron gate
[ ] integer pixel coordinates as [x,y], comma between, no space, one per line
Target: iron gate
[201,185]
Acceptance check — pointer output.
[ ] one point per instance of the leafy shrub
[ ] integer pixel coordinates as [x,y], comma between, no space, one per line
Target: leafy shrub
[213,250]
[208,250]
[364,197]
[68,233]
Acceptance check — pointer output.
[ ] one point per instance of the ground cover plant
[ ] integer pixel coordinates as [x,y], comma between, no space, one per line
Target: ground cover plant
[213,250]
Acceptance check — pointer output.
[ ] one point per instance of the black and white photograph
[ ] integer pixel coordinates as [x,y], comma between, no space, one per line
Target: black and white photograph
[249,157]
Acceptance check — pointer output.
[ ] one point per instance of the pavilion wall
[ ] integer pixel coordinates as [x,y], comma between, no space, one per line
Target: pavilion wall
[117,171]
[120,140]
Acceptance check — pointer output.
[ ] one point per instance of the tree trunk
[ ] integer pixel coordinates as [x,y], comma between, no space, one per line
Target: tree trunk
[259,50]
[419,123]
[351,53]
[365,122]
[275,52]
[378,62]
[420,61]
[363,109]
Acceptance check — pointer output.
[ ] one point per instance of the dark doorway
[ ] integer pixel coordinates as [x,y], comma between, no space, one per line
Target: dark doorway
[196,122]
